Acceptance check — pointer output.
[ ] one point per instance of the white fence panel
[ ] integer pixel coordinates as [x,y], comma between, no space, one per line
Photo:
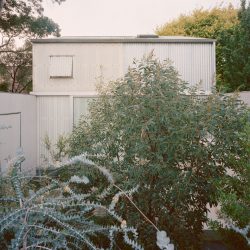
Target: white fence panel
[18,129]
[10,138]
[54,118]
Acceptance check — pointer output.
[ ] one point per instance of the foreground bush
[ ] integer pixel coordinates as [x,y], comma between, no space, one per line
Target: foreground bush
[152,130]
[40,212]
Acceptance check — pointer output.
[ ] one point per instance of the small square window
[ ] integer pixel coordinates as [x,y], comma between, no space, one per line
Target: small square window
[61,66]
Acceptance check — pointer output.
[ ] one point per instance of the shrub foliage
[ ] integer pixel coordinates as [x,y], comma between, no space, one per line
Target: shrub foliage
[152,130]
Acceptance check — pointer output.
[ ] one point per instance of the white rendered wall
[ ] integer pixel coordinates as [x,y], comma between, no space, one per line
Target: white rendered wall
[18,113]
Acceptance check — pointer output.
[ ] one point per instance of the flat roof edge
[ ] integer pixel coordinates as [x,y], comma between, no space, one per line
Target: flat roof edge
[119,40]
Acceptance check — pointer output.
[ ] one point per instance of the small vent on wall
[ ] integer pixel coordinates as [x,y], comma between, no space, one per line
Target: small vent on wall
[61,66]
[147,36]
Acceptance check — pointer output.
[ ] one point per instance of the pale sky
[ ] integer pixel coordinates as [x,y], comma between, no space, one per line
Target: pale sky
[120,17]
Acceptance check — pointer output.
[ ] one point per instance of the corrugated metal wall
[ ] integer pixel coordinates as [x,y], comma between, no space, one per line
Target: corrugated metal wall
[193,61]
[81,105]
[91,63]
[56,114]
[53,119]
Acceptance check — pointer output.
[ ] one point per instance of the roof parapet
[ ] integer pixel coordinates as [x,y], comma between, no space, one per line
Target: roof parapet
[125,39]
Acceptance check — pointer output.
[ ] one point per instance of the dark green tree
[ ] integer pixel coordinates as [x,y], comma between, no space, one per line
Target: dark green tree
[151,129]
[235,47]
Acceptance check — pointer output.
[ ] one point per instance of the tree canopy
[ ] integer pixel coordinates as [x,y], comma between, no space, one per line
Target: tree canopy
[230,27]
[24,19]
[20,21]
[34,3]
[201,23]
[235,50]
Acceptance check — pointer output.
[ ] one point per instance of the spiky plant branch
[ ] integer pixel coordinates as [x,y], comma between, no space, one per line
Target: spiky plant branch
[56,216]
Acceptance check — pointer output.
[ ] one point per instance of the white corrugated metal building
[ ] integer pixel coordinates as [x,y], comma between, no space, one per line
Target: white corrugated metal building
[67,69]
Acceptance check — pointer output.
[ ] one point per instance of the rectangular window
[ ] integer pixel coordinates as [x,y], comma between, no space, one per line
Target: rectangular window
[61,66]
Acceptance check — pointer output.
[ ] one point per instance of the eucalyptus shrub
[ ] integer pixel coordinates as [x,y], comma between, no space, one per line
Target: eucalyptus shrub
[234,197]
[39,212]
[152,130]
